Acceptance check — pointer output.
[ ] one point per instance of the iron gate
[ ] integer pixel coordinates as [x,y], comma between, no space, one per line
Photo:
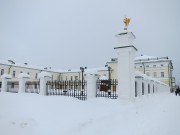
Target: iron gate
[107,88]
[72,88]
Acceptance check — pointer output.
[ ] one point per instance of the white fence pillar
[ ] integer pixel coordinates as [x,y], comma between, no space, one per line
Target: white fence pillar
[139,86]
[126,76]
[151,86]
[155,87]
[23,77]
[44,77]
[5,78]
[146,87]
[91,78]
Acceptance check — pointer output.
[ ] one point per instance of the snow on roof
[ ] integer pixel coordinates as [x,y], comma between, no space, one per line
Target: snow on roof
[23,75]
[25,65]
[150,58]
[86,70]
[91,71]
[142,57]
[48,69]
[103,77]
[6,76]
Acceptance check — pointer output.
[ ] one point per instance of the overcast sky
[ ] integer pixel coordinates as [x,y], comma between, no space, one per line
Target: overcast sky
[67,34]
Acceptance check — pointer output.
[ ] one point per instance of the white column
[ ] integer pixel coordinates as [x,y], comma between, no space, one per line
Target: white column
[155,87]
[5,78]
[44,77]
[146,87]
[91,84]
[126,77]
[23,77]
[151,86]
[139,85]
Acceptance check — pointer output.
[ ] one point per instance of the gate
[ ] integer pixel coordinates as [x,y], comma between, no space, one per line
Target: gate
[72,88]
[107,88]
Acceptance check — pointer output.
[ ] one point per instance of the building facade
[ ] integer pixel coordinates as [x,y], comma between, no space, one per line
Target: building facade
[159,68]
[14,69]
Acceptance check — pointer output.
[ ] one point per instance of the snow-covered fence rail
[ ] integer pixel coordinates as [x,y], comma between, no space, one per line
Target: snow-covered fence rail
[72,88]
[107,88]
[145,85]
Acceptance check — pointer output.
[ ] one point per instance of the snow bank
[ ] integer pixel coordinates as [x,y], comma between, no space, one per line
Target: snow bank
[32,114]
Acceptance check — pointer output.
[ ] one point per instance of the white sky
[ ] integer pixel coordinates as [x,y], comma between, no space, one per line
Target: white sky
[68,34]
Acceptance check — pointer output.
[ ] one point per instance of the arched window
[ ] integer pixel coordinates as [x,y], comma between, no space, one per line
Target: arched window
[2,71]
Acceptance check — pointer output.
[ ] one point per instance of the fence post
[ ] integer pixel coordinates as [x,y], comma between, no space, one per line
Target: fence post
[23,77]
[145,87]
[126,75]
[44,77]
[4,78]
[91,77]
[151,86]
[139,86]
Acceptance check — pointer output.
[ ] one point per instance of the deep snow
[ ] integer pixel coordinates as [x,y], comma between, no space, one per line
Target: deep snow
[32,114]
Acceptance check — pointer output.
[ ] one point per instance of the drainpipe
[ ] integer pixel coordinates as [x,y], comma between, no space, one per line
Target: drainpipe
[9,69]
[79,76]
[144,68]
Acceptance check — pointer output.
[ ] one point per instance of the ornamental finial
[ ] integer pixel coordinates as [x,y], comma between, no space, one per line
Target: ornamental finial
[126,22]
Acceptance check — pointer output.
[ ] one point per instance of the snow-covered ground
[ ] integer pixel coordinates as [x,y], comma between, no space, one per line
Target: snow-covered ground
[32,114]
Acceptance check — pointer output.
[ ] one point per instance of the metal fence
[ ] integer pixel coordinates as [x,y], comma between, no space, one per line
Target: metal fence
[32,87]
[72,88]
[107,88]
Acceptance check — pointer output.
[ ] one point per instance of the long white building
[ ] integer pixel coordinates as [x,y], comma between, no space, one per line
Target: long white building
[159,68]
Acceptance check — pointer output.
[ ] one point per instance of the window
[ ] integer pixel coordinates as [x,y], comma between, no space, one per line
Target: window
[36,75]
[162,65]
[154,65]
[27,85]
[0,85]
[21,72]
[12,85]
[76,77]
[71,77]
[140,66]
[28,73]
[14,73]
[35,86]
[2,71]
[162,74]
[147,73]
[147,65]
[155,74]
[58,77]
